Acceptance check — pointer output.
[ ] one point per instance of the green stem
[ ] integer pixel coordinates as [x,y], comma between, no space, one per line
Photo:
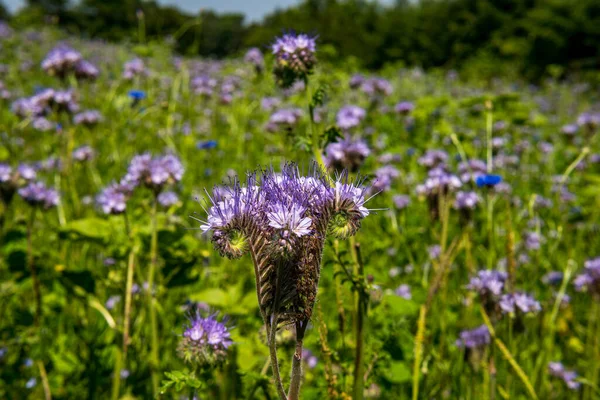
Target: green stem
[152,301]
[360,303]
[272,330]
[294,392]
[116,388]
[32,269]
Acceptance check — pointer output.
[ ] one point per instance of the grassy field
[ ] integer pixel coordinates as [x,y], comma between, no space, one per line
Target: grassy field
[98,282]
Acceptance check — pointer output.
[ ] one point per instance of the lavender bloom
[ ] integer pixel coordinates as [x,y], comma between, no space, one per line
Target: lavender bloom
[42,124]
[204,341]
[350,116]
[310,358]
[61,60]
[403,291]
[346,154]
[26,172]
[511,302]
[557,370]
[433,158]
[384,176]
[204,85]
[569,130]
[112,302]
[589,120]
[133,68]
[286,118]
[474,338]
[439,181]
[113,199]
[377,88]
[471,170]
[270,103]
[30,384]
[294,58]
[532,241]
[356,81]
[155,172]
[401,201]
[5,173]
[85,70]
[88,118]
[488,283]
[553,278]
[37,194]
[255,57]
[83,153]
[590,278]
[404,107]
[168,199]
[5,30]
[466,200]
[434,251]
[283,219]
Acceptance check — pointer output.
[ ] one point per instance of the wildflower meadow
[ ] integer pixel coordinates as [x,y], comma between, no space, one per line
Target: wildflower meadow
[273,226]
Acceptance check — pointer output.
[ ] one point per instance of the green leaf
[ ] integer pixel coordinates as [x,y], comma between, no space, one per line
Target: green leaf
[401,307]
[214,297]
[89,228]
[397,372]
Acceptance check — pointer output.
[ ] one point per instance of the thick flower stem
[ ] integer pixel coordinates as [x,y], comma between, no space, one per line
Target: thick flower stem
[271,331]
[37,293]
[127,311]
[151,300]
[294,392]
[360,303]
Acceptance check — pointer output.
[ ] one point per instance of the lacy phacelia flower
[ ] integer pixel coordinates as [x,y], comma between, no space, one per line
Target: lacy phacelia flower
[558,370]
[522,302]
[466,200]
[377,88]
[38,195]
[83,153]
[403,291]
[283,220]
[155,172]
[168,199]
[471,170]
[204,341]
[204,85]
[474,338]
[346,154]
[488,283]
[61,60]
[113,199]
[133,68]
[87,118]
[404,107]
[286,118]
[434,158]
[590,278]
[401,201]
[350,116]
[255,57]
[294,58]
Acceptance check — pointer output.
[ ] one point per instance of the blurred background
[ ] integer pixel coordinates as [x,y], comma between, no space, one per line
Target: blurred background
[531,38]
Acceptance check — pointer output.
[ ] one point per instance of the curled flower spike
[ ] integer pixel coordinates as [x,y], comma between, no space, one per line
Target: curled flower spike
[294,58]
[204,341]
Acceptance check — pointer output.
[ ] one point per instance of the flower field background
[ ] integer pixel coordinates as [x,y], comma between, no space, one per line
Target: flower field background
[460,240]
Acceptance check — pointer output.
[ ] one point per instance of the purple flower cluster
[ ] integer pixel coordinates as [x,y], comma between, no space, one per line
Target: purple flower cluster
[83,153]
[286,118]
[384,176]
[433,159]
[474,338]
[294,58]
[350,116]
[133,68]
[346,154]
[377,88]
[154,172]
[38,195]
[404,107]
[113,199]
[204,341]
[401,201]
[88,118]
[403,291]
[470,170]
[167,199]
[590,278]
[488,283]
[283,219]
[204,85]
[466,200]
[63,60]
[45,101]
[511,302]
[255,57]
[438,181]
[558,370]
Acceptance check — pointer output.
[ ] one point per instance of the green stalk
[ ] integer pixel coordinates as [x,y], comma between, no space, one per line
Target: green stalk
[272,330]
[360,303]
[116,387]
[154,363]
[37,293]
[294,392]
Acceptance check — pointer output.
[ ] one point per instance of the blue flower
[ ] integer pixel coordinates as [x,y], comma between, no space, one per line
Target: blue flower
[488,180]
[206,145]
[137,95]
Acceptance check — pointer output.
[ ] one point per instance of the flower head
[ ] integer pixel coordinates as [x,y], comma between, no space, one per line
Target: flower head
[474,338]
[294,58]
[205,340]
[154,172]
[38,195]
[350,116]
[346,154]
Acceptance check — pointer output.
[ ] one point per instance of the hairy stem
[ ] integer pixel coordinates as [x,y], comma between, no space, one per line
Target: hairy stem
[45,383]
[272,330]
[127,311]
[294,392]
[360,303]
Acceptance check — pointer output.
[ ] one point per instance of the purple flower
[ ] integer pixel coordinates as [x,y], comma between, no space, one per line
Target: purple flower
[474,338]
[204,341]
[589,119]
[270,103]
[61,60]
[438,181]
[38,195]
[511,302]
[356,81]
[294,58]
[26,172]
[113,199]
[346,154]
[404,107]
[350,116]
[403,291]
[466,200]
[557,370]
[112,302]
[255,57]
[88,118]
[401,201]
[167,199]
[488,283]
[285,118]
[553,278]
[590,278]
[83,153]
[310,359]
[471,170]
[155,172]
[42,124]
[86,70]
[133,68]
[433,158]
[532,241]
[384,176]
[377,88]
